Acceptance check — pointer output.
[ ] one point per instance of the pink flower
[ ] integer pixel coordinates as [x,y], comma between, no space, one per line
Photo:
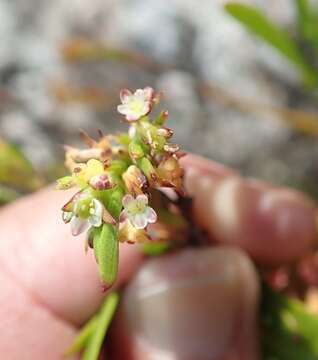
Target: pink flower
[137,211]
[136,105]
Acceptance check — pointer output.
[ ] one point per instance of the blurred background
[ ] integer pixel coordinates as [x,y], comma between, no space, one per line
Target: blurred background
[247,101]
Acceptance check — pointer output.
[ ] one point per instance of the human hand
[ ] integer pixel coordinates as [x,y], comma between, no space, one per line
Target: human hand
[197,304]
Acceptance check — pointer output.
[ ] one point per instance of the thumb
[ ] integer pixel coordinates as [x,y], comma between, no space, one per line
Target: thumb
[199,304]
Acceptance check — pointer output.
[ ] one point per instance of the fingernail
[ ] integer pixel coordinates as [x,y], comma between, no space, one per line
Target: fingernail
[190,304]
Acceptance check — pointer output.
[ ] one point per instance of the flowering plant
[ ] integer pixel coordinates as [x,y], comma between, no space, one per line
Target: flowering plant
[119,180]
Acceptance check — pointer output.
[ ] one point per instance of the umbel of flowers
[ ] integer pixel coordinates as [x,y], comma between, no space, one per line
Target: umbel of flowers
[114,177]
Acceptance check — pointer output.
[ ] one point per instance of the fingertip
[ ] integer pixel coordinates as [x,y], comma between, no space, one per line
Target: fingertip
[273,225]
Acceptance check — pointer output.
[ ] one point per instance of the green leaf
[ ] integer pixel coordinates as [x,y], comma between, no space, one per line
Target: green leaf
[104,319]
[303,12]
[257,23]
[15,170]
[83,337]
[289,331]
[106,252]
[307,21]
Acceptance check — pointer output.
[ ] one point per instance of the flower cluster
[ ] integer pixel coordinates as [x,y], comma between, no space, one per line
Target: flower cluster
[115,175]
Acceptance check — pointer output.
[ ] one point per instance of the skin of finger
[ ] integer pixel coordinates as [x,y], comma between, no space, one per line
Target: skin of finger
[273,224]
[39,254]
[130,346]
[29,331]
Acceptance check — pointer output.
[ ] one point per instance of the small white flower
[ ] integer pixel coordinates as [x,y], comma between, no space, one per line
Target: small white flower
[136,105]
[137,211]
[79,222]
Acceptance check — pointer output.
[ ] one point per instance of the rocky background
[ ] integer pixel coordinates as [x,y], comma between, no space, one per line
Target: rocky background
[206,63]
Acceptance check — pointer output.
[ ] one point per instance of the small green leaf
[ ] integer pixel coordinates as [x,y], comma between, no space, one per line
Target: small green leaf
[257,23]
[105,317]
[289,331]
[106,252]
[83,337]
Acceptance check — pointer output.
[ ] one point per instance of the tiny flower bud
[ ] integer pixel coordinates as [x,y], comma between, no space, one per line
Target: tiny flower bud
[171,173]
[65,183]
[165,132]
[128,233]
[171,148]
[135,181]
[135,150]
[101,182]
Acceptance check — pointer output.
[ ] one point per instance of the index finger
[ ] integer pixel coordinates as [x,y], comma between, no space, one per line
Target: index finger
[273,224]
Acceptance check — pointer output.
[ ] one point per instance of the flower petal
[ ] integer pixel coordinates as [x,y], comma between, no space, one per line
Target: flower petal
[95,220]
[125,95]
[123,216]
[67,216]
[142,199]
[123,109]
[127,199]
[98,207]
[150,215]
[133,117]
[140,95]
[149,93]
[78,225]
[139,221]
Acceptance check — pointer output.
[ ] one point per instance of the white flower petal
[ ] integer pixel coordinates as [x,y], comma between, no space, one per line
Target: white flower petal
[98,207]
[78,225]
[139,221]
[123,109]
[149,92]
[140,95]
[125,95]
[142,199]
[133,117]
[95,220]
[127,199]
[151,215]
[146,109]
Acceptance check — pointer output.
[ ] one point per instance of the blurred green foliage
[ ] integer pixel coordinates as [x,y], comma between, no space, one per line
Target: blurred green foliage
[17,175]
[288,330]
[301,49]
